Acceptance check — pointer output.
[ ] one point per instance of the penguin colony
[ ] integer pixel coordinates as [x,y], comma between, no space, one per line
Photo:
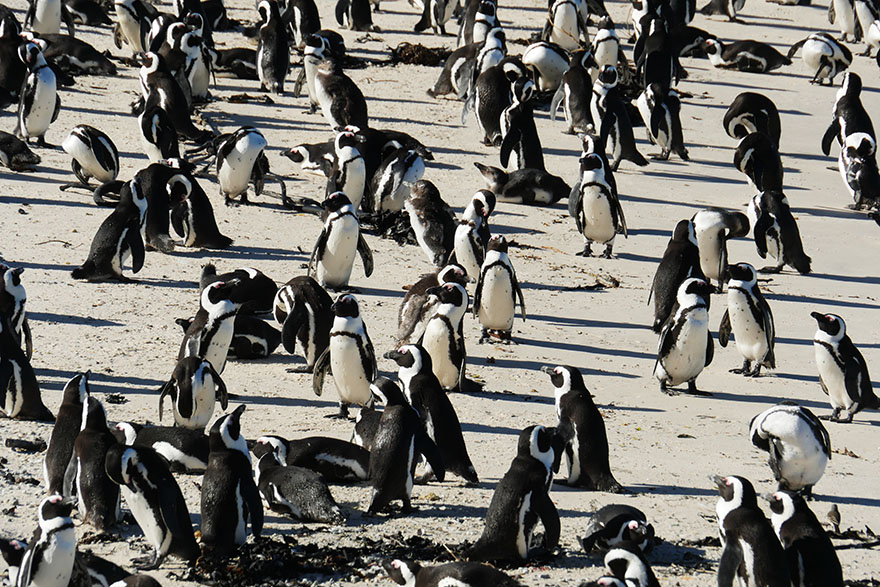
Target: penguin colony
[413,427]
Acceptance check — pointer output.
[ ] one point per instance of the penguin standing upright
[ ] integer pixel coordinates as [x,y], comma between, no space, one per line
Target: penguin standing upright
[798,444]
[210,333]
[97,494]
[547,63]
[595,206]
[194,388]
[156,77]
[575,92]
[44,17]
[342,102]
[158,135]
[303,20]
[93,155]
[812,560]
[680,261]
[605,46]
[776,232]
[134,18]
[491,95]
[519,136]
[303,308]
[520,499]
[39,102]
[349,173]
[400,169]
[155,501]
[432,221]
[713,228]
[230,498]
[435,14]
[749,318]
[608,107]
[583,429]
[497,292]
[51,552]
[318,47]
[759,160]
[843,13]
[472,233]
[59,464]
[661,111]
[857,163]
[443,337]
[565,25]
[850,116]
[13,298]
[240,161]
[843,373]
[355,15]
[19,390]
[333,256]
[349,356]
[273,54]
[417,306]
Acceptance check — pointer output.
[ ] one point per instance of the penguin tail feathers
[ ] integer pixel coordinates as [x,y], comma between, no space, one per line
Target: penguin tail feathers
[84,271]
[802,263]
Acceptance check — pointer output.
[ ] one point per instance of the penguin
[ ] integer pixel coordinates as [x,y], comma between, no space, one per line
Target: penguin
[627,562]
[457,72]
[443,337]
[134,18]
[50,554]
[752,553]
[193,388]
[238,163]
[253,289]
[185,450]
[355,15]
[872,38]
[400,438]
[333,255]
[608,106]
[417,306]
[342,102]
[749,319]
[749,56]
[680,261]
[713,228]
[824,56]
[13,298]
[605,46]
[435,14]
[728,8]
[595,206]
[366,424]
[335,460]
[532,187]
[273,54]
[317,48]
[349,356]
[473,232]
[15,154]
[491,52]
[462,574]
[96,570]
[97,495]
[160,184]
[491,95]
[39,102]
[843,13]
[425,394]
[193,217]
[519,136]
[812,559]
[655,56]
[432,221]
[605,582]
[158,135]
[393,181]
[582,428]
[240,62]
[19,390]
[752,112]
[93,155]
[661,112]
[547,63]
[252,338]
[686,346]
[616,523]
[155,76]
[59,464]
[74,56]
[303,308]
[575,93]
[230,498]
[44,17]
[303,20]
[155,501]
[496,293]
[349,174]
[857,163]
[776,232]
[480,17]
[316,158]
[843,373]
[296,492]
[798,444]
[565,25]
[13,553]
[210,334]
[850,117]
[197,65]
[519,500]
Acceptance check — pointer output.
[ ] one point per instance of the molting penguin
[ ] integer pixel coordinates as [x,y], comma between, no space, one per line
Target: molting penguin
[240,161]
[19,390]
[93,155]
[713,228]
[680,261]
[444,335]
[39,102]
[418,306]
[533,187]
[97,494]
[273,54]
[335,460]
[155,501]
[333,256]
[751,112]
[59,465]
[296,491]
[303,308]
[393,180]
[51,552]
[461,574]
[749,318]
[776,232]
[824,56]
[432,221]
[342,102]
[472,233]
[582,429]
[194,388]
[798,444]
[230,498]
[749,56]
[497,292]
[616,523]
[595,206]
[210,333]
[520,499]
[843,373]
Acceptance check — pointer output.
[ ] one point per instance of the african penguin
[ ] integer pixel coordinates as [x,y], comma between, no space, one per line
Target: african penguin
[435,14]
[491,95]
[59,464]
[39,102]
[342,102]
[432,221]
[296,491]
[302,307]
[392,182]
[547,63]
[752,112]
[472,233]
[627,562]
[194,388]
[417,306]
[50,554]
[93,155]
[575,93]
[680,261]
[335,460]
[616,523]
[608,106]
[443,337]
[749,56]
[661,112]
[824,56]
[19,390]
[843,13]
[13,299]
[749,319]
[210,333]
[460,574]
[97,495]
[519,136]
[595,206]
[565,25]
[355,15]
[850,116]
[349,174]
[185,450]
[497,292]
[333,255]
[713,228]
[532,187]
[193,216]
[273,54]
[158,135]
[239,158]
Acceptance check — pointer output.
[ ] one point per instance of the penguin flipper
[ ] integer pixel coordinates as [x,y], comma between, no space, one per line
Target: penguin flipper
[730,561]
[832,132]
[710,349]
[297,86]
[167,389]
[28,339]
[251,496]
[549,515]
[319,371]
[294,321]
[136,246]
[762,223]
[428,449]
[178,215]
[68,20]
[478,295]
[518,290]
[618,210]
[69,482]
[557,99]
[318,251]
[794,48]
[366,255]
[222,394]
[510,141]
[169,494]
[724,329]
[57,107]
[25,572]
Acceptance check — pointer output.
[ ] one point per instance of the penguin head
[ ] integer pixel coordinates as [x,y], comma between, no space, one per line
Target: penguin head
[590,162]
[743,272]
[11,277]
[452,273]
[118,462]
[179,188]
[784,503]
[94,417]
[387,392]
[195,21]
[497,243]
[859,145]
[606,23]
[174,34]
[486,11]
[831,325]
[348,138]
[226,433]
[449,293]
[270,443]
[29,54]
[268,10]
[315,46]
[608,76]
[411,359]
[54,511]
[126,432]
[267,461]
[219,291]
[582,58]
[423,192]
[484,202]
[736,491]
[684,231]
[626,560]
[13,551]
[537,442]
[495,178]
[523,90]
[345,306]
[335,202]
[564,377]
[712,47]
[694,291]
[402,572]
[77,389]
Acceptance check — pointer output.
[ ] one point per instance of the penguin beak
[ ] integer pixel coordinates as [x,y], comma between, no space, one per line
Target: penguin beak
[768,497]
[433,291]
[820,318]
[720,481]
[393,355]
[551,371]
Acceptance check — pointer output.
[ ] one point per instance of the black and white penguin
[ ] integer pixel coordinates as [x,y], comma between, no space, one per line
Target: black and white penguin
[44,17]
[850,116]
[273,54]
[393,181]
[752,112]
[627,562]
[609,107]
[566,25]
[355,15]
[686,346]
[93,155]
[417,306]
[457,73]
[680,261]
[210,333]
[349,174]
[461,574]
[752,553]
[240,62]
[303,308]
[823,56]
[74,56]
[12,552]
[521,498]
[472,233]
[349,356]
[533,187]
[185,450]
[496,294]
[616,523]
[39,102]
[254,290]
[303,20]
[713,228]
[59,464]
[253,338]
[318,47]
[798,444]
[843,13]
[400,438]
[547,63]
[749,319]
[812,560]
[575,93]
[491,95]
[19,390]
[759,160]
[13,298]
[776,232]
[15,154]
[134,18]
[366,424]
[656,58]
[158,135]
[316,158]
[519,136]
[51,552]
[749,56]
[193,216]
[335,460]
[194,388]
[155,501]
[843,373]
[197,65]
[155,76]
[443,337]
[97,495]
[661,112]
[333,256]
[296,491]
[728,8]
[435,14]
[595,206]
[429,399]
[432,221]
[230,498]
[857,163]
[238,163]
[480,16]
[582,428]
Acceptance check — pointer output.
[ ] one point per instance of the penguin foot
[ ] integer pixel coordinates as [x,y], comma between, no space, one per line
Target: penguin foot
[744,370]
[147,563]
[342,414]
[756,372]
[299,369]
[692,390]
[667,390]
[607,253]
[484,337]
[770,269]
[587,252]
[41,142]
[661,156]
[77,185]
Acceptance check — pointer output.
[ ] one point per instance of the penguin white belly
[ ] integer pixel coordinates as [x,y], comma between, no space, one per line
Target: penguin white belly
[565,31]
[812,53]
[14,396]
[145,516]
[522,537]
[57,564]
[326,102]
[410,457]
[38,119]
[85,156]
[574,461]
[436,340]
[204,397]
[235,172]
[803,464]
[566,102]
[606,52]
[774,242]
[348,374]
[751,340]
[748,558]
[153,153]
[200,77]
[131,29]
[355,180]
[549,65]
[711,257]
[872,37]
[218,348]
[279,498]
[845,16]
[464,250]
[350,464]
[833,378]
[687,357]
[843,167]
[122,253]
[240,536]
[309,347]
[47,17]
[645,111]
[598,222]
[335,265]
[496,304]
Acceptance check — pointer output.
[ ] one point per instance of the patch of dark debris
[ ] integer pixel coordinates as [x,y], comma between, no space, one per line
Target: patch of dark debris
[418,54]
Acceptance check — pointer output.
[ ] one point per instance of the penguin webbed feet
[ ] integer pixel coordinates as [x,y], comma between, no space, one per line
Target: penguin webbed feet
[771,269]
[745,370]
[484,336]
[342,414]
[41,142]
[608,249]
[661,156]
[586,252]
[692,389]
[148,562]
[300,369]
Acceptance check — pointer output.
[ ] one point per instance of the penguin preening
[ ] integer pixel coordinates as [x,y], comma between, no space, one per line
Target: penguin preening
[303,308]
[194,388]
[776,232]
[824,56]
[417,306]
[752,112]
[460,574]
[296,491]
[93,155]
[713,228]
